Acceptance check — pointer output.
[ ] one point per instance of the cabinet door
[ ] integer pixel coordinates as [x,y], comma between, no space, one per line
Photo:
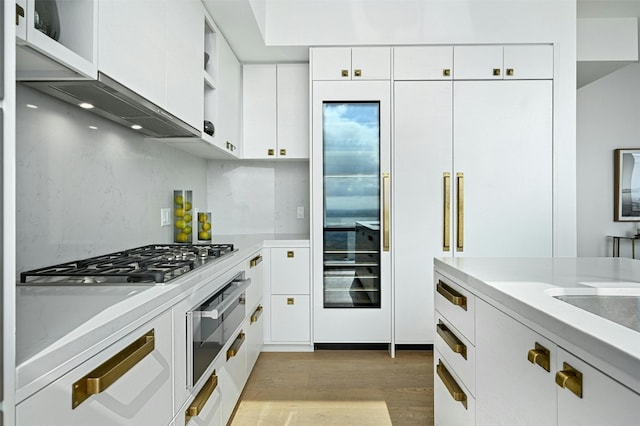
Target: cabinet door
[259,111]
[503,146]
[371,63]
[290,318]
[604,401]
[478,62]
[509,388]
[141,396]
[528,62]
[293,110]
[229,99]
[423,134]
[132,40]
[331,63]
[290,270]
[423,63]
[185,61]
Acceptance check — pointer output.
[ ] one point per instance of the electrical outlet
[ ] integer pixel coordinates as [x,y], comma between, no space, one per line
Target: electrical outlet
[165,217]
[300,213]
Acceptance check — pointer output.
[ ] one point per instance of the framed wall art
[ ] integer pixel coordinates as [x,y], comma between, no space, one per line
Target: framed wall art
[627,185]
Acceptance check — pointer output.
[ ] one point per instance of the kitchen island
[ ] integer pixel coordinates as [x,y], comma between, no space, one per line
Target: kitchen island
[530,354]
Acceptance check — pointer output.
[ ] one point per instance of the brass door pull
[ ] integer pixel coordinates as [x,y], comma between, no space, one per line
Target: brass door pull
[201,399]
[283,152]
[446,72]
[256,314]
[446,213]
[451,340]
[113,369]
[451,295]
[290,301]
[255,261]
[357,73]
[19,13]
[510,72]
[386,212]
[454,389]
[290,253]
[541,356]
[271,151]
[570,378]
[235,346]
[345,73]
[496,71]
[460,208]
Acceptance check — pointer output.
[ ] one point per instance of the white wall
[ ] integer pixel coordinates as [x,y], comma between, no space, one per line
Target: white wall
[608,117]
[258,196]
[83,192]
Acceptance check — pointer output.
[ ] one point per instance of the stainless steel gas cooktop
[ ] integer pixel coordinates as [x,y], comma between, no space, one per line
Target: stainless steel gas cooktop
[152,264]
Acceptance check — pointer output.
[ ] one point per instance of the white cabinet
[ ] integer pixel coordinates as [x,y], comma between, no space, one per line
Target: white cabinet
[254,269]
[275,111]
[140,395]
[347,63]
[67,49]
[229,110]
[233,375]
[423,63]
[509,62]
[205,409]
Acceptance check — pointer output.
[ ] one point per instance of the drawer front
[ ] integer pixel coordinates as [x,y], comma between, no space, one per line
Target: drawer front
[290,318]
[255,336]
[233,377]
[457,305]
[448,392]
[140,396]
[208,405]
[290,270]
[459,353]
[254,269]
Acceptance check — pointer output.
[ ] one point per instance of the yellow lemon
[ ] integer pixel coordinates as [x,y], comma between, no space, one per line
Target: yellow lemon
[202,217]
[206,226]
[181,224]
[187,230]
[204,235]
[179,200]
[187,217]
[187,206]
[182,237]
[179,212]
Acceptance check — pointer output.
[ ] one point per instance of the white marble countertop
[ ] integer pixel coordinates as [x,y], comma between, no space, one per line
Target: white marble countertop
[59,327]
[525,289]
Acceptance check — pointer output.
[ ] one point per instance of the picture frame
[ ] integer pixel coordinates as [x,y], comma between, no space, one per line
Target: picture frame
[627,185]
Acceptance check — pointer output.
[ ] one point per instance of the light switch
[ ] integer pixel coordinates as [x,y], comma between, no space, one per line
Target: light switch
[300,213]
[165,217]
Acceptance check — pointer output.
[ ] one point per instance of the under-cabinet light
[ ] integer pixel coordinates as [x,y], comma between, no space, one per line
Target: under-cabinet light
[32,106]
[93,127]
[136,127]
[85,105]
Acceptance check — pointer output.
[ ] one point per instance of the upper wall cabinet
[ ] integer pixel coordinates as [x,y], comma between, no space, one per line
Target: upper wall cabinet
[346,63]
[423,63]
[515,62]
[275,101]
[56,40]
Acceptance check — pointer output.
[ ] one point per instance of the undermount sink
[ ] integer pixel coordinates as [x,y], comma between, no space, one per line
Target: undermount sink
[618,304]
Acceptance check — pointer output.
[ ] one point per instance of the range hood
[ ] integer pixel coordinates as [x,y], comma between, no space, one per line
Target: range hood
[116,102]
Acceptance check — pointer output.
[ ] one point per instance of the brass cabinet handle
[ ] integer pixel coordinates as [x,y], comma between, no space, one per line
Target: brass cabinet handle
[235,346]
[290,301]
[451,295]
[454,389]
[446,72]
[271,151]
[451,340]
[570,378]
[255,261]
[446,232]
[290,253]
[19,13]
[201,399]
[541,356]
[345,73]
[386,212]
[283,152]
[357,73]
[496,71]
[111,370]
[460,210]
[510,72]
[256,314]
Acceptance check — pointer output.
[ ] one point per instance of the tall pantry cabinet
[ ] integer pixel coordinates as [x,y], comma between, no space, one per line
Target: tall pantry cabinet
[472,155]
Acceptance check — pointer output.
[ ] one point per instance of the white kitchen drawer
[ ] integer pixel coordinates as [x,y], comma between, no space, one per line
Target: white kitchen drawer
[233,375]
[290,270]
[290,318]
[457,305]
[255,336]
[210,413]
[140,396]
[459,353]
[454,405]
[254,269]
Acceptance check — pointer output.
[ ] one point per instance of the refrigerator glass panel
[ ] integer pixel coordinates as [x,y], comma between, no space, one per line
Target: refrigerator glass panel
[351,162]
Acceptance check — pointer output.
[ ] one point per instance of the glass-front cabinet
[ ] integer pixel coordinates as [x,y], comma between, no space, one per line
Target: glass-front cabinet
[350,225]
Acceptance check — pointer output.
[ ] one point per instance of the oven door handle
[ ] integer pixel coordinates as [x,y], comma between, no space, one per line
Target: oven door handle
[219,309]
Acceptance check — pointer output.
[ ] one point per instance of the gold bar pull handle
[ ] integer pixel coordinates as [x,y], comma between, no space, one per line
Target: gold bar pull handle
[256,314]
[570,378]
[451,340]
[451,295]
[386,212]
[446,213]
[460,211]
[540,356]
[201,399]
[235,346]
[113,369]
[255,261]
[454,389]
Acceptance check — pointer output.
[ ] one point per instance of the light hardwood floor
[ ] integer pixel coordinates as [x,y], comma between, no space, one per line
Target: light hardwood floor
[338,387]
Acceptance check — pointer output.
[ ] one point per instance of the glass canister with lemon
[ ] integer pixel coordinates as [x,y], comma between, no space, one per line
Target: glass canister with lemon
[204,226]
[182,210]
